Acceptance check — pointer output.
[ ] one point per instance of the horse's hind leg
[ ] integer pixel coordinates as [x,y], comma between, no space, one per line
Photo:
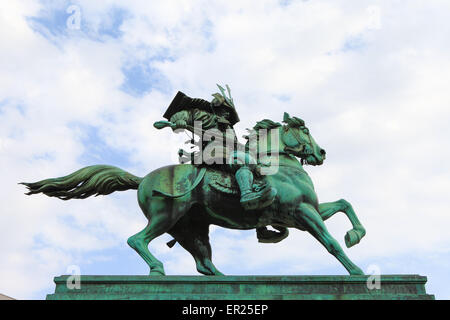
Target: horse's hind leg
[310,219]
[195,239]
[157,225]
[352,236]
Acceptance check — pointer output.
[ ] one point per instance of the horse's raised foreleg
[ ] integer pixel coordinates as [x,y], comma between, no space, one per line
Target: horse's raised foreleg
[352,236]
[157,226]
[308,218]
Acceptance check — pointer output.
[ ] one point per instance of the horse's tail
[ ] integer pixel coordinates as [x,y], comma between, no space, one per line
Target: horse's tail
[93,180]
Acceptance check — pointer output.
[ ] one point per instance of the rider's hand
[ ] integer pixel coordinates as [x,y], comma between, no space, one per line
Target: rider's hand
[180,119]
[181,123]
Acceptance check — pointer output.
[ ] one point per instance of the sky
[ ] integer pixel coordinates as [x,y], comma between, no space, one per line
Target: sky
[81,83]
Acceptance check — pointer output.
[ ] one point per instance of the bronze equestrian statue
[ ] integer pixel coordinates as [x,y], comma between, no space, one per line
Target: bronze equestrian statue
[228,189]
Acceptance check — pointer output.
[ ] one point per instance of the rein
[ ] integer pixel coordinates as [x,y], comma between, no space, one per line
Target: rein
[298,139]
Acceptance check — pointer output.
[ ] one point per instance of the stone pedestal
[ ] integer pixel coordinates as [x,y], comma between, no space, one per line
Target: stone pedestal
[392,287]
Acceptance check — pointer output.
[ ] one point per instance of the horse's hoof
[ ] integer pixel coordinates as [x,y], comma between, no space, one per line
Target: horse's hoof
[157,272]
[351,238]
[357,272]
[354,236]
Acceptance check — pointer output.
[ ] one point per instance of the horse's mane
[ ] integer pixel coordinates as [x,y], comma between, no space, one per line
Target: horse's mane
[294,122]
[266,124]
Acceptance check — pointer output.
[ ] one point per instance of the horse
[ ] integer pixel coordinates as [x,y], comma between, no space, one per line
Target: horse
[180,200]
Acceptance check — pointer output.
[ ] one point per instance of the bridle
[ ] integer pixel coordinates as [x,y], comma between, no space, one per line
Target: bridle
[298,139]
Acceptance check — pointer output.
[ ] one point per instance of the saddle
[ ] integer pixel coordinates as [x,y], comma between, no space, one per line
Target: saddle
[176,181]
[186,177]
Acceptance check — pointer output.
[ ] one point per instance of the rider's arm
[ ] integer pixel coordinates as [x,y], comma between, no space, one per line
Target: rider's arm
[208,119]
[189,117]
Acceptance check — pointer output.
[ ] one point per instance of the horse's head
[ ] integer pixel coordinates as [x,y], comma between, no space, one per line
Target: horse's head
[299,142]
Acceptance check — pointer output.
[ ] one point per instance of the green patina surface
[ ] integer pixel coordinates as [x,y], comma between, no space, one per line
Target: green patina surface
[392,287]
[185,200]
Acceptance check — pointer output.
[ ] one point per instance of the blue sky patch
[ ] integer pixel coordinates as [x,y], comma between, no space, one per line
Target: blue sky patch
[64,19]
[354,43]
[111,28]
[141,78]
[52,21]
[97,151]
[207,30]
[283,97]
[3,105]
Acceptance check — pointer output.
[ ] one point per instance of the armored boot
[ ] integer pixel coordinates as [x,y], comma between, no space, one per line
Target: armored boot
[250,198]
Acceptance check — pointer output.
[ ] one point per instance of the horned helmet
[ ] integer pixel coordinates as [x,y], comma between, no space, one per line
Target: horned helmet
[222,101]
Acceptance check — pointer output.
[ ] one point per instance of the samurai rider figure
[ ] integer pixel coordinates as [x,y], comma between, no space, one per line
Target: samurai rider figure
[220,114]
